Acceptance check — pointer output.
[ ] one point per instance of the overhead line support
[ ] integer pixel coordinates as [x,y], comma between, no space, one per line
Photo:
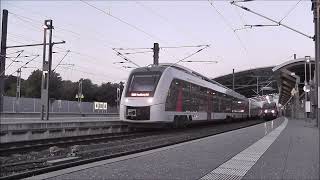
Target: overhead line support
[263,16]
[3,49]
[38,44]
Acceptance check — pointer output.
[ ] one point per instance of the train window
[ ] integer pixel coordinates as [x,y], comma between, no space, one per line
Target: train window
[184,96]
[173,95]
[216,99]
[269,105]
[143,84]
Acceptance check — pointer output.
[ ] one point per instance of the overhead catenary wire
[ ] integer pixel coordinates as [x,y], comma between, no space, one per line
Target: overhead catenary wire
[38,21]
[201,61]
[31,23]
[26,56]
[190,55]
[123,49]
[177,29]
[74,52]
[124,22]
[14,60]
[25,64]
[29,20]
[230,26]
[91,73]
[79,70]
[81,54]
[173,47]
[139,52]
[11,53]
[288,13]
[167,20]
[59,28]
[265,17]
[125,58]
[240,16]
[61,60]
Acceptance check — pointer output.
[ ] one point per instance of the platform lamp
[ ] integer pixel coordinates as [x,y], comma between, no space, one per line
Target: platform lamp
[306,87]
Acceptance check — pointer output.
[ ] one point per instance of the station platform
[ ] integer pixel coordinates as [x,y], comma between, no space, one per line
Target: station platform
[279,149]
[28,129]
[11,120]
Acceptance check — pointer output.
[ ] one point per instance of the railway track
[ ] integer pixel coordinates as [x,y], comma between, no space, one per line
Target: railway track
[108,148]
[25,146]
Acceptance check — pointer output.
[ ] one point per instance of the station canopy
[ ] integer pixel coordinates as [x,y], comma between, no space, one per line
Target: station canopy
[252,82]
[292,76]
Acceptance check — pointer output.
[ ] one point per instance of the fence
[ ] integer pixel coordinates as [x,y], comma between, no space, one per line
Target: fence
[11,104]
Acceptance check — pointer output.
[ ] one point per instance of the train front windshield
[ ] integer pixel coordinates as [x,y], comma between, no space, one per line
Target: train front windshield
[269,105]
[143,85]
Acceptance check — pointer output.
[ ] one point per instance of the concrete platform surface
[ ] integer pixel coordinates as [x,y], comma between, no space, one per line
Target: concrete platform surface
[294,155]
[196,159]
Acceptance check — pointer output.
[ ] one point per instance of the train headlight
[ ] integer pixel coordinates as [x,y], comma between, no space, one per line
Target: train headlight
[150,100]
[273,111]
[265,111]
[126,100]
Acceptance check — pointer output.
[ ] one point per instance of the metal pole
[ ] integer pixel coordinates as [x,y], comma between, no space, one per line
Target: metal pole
[316,12]
[310,72]
[317,58]
[18,90]
[305,92]
[4,28]
[80,94]
[309,93]
[156,54]
[46,70]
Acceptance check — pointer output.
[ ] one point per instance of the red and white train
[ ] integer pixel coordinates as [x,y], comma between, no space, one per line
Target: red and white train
[170,93]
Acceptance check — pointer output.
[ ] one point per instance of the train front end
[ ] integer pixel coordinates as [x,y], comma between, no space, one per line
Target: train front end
[140,102]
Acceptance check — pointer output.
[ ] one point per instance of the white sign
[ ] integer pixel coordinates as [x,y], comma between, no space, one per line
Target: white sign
[100,105]
[308,106]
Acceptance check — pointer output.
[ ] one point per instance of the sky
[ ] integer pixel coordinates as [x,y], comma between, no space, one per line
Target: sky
[92,28]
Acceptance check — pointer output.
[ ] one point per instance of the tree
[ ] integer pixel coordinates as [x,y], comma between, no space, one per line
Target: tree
[10,85]
[88,90]
[65,90]
[68,90]
[107,92]
[33,84]
[55,86]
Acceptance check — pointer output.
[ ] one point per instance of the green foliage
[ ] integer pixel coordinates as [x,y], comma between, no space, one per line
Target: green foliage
[63,89]
[68,90]
[33,84]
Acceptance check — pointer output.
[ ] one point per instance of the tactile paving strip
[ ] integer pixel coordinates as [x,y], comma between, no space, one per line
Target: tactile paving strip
[240,164]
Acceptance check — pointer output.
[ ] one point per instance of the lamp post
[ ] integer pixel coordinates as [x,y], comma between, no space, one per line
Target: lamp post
[306,87]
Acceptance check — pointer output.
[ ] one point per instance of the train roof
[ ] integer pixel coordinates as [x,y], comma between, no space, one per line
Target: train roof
[162,66]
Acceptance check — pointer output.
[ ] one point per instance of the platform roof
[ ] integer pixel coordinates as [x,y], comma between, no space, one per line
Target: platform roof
[248,81]
[291,74]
